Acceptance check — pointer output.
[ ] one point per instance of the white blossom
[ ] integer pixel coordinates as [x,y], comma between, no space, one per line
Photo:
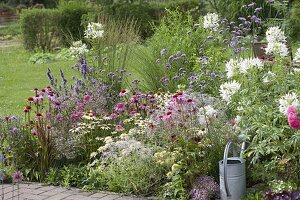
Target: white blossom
[94,30]
[297,56]
[288,100]
[211,21]
[275,35]
[277,48]
[232,67]
[78,49]
[269,77]
[228,89]
[249,63]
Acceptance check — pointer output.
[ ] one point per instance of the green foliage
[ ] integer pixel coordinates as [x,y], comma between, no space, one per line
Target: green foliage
[68,176]
[70,23]
[148,14]
[40,29]
[5,8]
[131,175]
[41,58]
[292,23]
[12,29]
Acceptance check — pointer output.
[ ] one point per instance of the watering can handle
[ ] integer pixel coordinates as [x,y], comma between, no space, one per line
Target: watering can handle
[225,168]
[225,163]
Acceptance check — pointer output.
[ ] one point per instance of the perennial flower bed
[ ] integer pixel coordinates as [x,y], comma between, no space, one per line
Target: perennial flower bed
[163,133]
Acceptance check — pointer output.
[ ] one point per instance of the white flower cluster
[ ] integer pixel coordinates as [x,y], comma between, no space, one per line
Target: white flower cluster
[94,30]
[269,77]
[228,89]
[116,150]
[288,100]
[211,21]
[235,66]
[297,56]
[206,114]
[78,49]
[276,42]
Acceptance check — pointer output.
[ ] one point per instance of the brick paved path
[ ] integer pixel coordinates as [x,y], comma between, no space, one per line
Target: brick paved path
[36,191]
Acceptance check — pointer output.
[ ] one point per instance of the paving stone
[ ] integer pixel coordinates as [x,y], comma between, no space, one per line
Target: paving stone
[98,195]
[30,191]
[110,197]
[79,197]
[33,196]
[53,191]
[58,196]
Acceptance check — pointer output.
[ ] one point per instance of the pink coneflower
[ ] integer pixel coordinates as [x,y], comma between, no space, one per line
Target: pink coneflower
[57,105]
[30,99]
[75,116]
[120,107]
[34,131]
[87,98]
[81,106]
[59,117]
[114,116]
[167,116]
[124,92]
[133,113]
[18,177]
[119,128]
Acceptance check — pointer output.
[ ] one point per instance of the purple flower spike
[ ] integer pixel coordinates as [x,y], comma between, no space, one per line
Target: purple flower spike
[251,4]
[162,52]
[232,44]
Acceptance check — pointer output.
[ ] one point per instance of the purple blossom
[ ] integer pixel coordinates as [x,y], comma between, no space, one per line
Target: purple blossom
[232,44]
[163,51]
[251,4]
[120,107]
[204,188]
[18,177]
[2,157]
[257,10]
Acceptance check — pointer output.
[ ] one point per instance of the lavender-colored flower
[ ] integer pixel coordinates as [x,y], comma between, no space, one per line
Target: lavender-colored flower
[210,37]
[18,177]
[242,19]
[168,66]
[2,157]
[232,44]
[251,4]
[255,19]
[204,188]
[257,10]
[163,51]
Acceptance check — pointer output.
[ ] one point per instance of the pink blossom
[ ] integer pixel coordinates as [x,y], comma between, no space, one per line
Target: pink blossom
[124,92]
[80,106]
[120,107]
[87,98]
[75,116]
[167,116]
[18,177]
[119,128]
[114,116]
[293,119]
[133,113]
[58,117]
[34,131]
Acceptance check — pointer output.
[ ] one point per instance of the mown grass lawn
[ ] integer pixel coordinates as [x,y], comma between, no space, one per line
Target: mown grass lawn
[18,77]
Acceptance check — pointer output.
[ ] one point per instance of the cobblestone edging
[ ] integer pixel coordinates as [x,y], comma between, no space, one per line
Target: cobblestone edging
[36,191]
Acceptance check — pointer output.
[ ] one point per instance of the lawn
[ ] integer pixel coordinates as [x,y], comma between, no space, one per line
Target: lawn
[18,77]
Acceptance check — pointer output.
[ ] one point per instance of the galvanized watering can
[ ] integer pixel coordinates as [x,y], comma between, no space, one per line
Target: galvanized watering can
[232,174]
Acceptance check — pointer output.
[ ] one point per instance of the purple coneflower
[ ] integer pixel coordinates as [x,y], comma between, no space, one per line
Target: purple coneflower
[18,177]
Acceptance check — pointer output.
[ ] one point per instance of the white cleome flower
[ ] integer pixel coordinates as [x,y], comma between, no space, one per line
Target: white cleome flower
[277,48]
[232,67]
[94,30]
[228,89]
[78,49]
[288,100]
[211,21]
[249,63]
[275,35]
[297,56]
[269,77]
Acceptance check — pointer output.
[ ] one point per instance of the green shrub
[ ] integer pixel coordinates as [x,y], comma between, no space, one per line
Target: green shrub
[293,26]
[40,29]
[70,22]
[5,8]
[148,14]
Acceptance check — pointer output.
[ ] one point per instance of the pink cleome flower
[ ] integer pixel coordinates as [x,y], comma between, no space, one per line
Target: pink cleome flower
[293,119]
